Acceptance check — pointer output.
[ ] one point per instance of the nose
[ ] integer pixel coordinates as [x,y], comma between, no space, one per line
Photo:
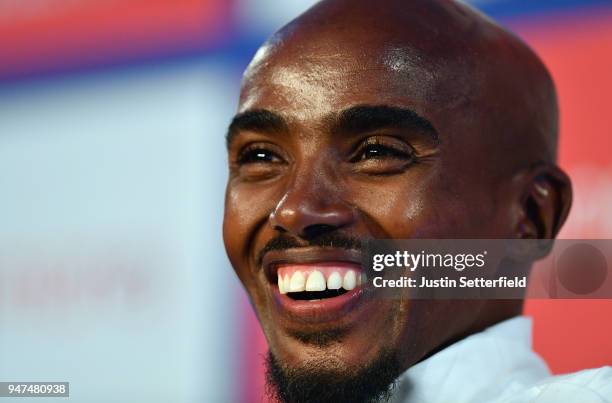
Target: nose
[308,210]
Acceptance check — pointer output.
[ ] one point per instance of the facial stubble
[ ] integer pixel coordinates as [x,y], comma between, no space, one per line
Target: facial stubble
[331,380]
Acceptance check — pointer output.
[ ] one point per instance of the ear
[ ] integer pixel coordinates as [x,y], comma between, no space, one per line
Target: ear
[545,202]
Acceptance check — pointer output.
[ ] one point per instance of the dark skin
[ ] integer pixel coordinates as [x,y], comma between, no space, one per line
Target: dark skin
[397,120]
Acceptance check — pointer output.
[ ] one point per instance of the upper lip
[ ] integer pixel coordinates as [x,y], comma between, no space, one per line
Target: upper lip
[304,255]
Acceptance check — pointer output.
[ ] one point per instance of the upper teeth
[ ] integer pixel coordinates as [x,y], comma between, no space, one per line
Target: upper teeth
[297,282]
[334,281]
[315,281]
[350,280]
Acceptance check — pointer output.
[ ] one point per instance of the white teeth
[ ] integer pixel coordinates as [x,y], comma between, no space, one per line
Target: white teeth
[334,282]
[281,284]
[315,282]
[350,281]
[297,282]
[363,278]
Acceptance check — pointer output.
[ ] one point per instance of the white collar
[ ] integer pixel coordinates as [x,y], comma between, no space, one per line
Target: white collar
[480,368]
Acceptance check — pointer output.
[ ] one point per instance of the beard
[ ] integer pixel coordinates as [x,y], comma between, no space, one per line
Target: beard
[329,381]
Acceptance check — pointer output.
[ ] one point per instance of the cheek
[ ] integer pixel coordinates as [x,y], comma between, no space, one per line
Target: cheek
[246,211]
[404,207]
[393,207]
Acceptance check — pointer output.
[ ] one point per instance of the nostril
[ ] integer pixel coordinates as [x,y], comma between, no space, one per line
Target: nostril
[279,229]
[316,230]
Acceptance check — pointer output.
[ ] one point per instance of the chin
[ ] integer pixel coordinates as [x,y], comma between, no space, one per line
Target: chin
[331,374]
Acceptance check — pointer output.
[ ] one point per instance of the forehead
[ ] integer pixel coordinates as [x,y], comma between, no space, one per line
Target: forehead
[305,81]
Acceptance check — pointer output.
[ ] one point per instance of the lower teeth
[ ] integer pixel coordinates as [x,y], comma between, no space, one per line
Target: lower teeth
[313,295]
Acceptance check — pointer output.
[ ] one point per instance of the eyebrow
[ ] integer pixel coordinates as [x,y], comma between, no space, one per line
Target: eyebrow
[367,118]
[257,120]
[356,119]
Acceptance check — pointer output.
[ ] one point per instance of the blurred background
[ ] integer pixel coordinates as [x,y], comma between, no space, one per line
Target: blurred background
[113,275]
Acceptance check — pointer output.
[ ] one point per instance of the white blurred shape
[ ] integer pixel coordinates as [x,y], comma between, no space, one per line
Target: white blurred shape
[111,221]
[266,16]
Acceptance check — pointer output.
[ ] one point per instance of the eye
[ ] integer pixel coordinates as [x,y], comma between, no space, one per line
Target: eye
[378,149]
[258,154]
[383,155]
[259,161]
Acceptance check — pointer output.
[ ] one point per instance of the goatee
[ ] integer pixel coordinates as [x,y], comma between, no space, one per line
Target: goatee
[326,382]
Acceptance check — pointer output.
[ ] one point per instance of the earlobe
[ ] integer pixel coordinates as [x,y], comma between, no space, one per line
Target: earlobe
[545,202]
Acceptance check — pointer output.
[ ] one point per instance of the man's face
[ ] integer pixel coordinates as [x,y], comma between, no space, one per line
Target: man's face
[336,143]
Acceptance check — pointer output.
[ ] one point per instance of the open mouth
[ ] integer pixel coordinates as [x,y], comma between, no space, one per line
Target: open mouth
[317,285]
[314,282]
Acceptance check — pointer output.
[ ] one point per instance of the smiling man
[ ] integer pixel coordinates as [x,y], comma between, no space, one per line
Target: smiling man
[391,119]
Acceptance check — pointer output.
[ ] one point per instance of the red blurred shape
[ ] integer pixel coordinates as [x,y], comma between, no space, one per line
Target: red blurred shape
[575,334]
[58,35]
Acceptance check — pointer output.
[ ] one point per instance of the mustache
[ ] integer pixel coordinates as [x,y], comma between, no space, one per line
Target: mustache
[329,240]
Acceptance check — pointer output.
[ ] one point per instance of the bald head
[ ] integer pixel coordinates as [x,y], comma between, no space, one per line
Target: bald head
[455,64]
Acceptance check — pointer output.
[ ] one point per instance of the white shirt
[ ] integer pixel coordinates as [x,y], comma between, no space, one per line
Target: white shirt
[498,366]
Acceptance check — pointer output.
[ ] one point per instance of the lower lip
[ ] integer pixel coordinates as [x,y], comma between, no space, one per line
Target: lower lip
[318,311]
